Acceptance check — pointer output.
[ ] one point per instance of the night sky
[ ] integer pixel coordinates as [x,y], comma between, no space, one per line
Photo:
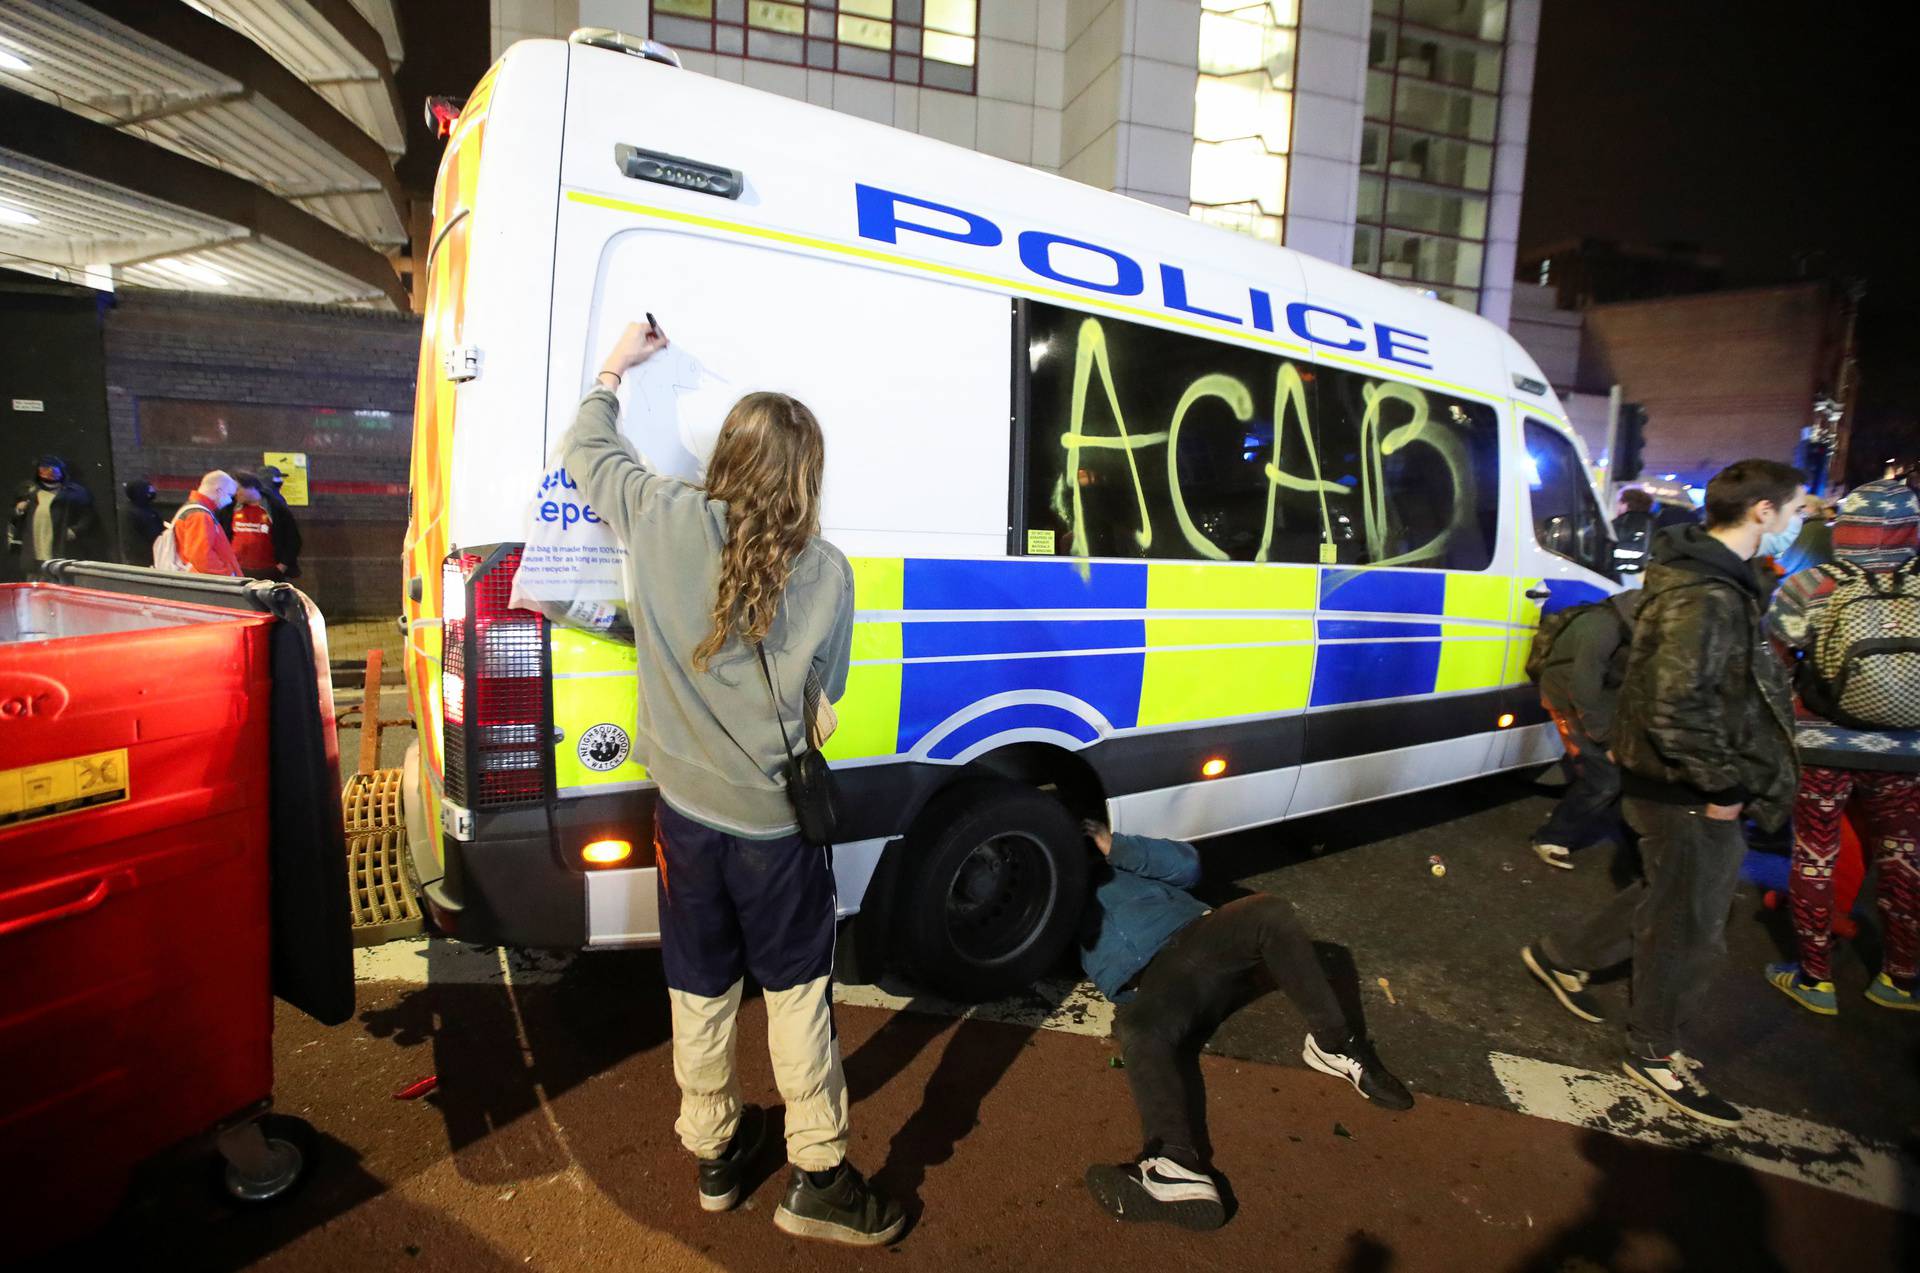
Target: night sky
[1774,134]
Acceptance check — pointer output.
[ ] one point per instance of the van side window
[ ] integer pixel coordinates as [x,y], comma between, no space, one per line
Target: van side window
[1566,517]
[1147,443]
[1140,442]
[1418,471]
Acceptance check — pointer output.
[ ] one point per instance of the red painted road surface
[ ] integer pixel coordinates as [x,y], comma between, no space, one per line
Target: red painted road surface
[548,1145]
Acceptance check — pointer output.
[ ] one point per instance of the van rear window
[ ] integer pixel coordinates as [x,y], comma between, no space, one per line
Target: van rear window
[1140,442]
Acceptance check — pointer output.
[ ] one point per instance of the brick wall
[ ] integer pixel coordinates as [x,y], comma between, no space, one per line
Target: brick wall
[1723,375]
[189,381]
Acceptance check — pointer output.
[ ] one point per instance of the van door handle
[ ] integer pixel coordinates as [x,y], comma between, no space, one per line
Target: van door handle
[1539,592]
[414,589]
[92,899]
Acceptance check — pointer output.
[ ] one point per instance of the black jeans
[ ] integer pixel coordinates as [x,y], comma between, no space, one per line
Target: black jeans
[1590,810]
[1188,988]
[1672,922]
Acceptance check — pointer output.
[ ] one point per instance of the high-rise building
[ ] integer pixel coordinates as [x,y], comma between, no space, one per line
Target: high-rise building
[1389,135]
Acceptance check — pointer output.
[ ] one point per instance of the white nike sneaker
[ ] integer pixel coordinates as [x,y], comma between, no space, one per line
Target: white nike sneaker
[1158,1189]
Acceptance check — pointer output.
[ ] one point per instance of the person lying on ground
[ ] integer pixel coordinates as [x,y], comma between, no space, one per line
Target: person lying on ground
[1173,967]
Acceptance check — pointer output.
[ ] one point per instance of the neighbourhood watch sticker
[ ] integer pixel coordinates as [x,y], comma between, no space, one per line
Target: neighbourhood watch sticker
[604,747]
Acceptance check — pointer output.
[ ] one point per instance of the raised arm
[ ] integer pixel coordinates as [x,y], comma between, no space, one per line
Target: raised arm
[612,480]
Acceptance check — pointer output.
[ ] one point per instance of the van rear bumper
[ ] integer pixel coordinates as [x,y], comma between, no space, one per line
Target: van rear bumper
[511,884]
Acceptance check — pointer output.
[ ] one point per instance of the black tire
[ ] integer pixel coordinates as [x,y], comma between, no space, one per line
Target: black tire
[993,881]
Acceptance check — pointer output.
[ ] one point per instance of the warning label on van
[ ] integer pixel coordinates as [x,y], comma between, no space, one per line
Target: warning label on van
[62,786]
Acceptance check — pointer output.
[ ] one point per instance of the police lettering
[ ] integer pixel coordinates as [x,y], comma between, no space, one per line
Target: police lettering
[883,215]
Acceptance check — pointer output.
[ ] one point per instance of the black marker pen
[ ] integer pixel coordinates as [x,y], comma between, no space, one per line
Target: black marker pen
[652,326]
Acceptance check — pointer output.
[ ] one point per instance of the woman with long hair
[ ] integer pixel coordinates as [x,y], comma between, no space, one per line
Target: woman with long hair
[741,615]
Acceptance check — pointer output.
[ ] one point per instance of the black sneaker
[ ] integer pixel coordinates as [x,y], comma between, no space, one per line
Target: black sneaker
[1676,1080]
[1569,985]
[1158,1189]
[845,1209]
[720,1177]
[1357,1063]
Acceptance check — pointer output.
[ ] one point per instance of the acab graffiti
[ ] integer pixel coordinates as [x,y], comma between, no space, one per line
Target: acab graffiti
[1394,417]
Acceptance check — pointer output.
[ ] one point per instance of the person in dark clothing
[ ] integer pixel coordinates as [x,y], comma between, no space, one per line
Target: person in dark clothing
[286,528]
[1704,734]
[248,522]
[140,523]
[51,513]
[1174,968]
[1633,531]
[1580,687]
[1814,547]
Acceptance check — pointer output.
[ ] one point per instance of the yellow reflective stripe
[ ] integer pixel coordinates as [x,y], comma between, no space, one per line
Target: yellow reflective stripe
[879,583]
[1474,656]
[576,653]
[1479,597]
[579,705]
[1226,631]
[1181,686]
[1199,586]
[870,712]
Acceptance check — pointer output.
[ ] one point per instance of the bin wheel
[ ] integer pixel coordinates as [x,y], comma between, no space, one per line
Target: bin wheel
[265,1159]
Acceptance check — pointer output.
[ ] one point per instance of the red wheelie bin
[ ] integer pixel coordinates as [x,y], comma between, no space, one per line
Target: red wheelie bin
[141,833]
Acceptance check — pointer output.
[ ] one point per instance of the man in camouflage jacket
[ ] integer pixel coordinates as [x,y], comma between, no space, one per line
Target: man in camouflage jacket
[1704,736]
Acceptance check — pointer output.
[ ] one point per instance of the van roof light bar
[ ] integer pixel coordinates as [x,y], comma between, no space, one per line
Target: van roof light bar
[1527,384]
[621,42]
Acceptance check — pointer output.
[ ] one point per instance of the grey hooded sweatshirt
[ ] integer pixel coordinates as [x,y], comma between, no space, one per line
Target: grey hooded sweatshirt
[709,739]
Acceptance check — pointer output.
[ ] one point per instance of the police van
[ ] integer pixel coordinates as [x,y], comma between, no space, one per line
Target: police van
[1148,520]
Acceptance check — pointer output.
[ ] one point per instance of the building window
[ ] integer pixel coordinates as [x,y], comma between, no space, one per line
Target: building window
[932,43]
[1426,149]
[1243,115]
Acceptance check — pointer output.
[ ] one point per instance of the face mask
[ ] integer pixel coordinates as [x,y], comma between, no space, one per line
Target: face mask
[1775,543]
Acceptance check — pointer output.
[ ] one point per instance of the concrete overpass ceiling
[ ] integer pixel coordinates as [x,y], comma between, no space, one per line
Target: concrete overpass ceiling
[387,23]
[64,224]
[330,45]
[186,82]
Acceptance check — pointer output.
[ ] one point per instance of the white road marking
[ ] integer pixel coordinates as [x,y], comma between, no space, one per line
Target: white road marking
[419,961]
[1781,1145]
[1056,1004]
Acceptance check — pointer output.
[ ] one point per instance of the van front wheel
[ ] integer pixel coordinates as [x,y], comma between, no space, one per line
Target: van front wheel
[996,874]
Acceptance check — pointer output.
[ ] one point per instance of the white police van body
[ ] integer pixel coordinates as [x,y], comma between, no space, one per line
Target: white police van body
[1156,519]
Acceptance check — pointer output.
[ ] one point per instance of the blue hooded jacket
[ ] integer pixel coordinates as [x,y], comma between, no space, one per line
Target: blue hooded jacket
[1139,902]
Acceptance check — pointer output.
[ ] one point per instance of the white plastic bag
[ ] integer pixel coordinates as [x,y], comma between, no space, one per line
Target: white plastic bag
[573,568]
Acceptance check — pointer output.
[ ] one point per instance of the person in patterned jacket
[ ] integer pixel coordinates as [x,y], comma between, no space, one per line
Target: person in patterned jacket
[1870,775]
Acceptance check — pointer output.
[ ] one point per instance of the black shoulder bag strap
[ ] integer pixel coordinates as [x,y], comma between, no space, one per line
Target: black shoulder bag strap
[810,785]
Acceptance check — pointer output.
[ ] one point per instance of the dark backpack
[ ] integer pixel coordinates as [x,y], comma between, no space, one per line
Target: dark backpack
[1863,670]
[1552,625]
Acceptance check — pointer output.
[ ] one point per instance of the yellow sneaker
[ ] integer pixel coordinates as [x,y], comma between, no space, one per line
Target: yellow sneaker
[1888,995]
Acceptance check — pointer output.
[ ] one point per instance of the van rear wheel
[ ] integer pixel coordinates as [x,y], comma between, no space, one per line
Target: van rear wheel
[994,882]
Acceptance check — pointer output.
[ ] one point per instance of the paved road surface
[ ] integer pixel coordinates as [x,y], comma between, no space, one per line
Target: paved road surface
[548,1144]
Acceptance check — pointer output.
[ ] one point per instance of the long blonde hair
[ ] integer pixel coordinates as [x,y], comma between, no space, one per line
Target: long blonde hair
[766,466]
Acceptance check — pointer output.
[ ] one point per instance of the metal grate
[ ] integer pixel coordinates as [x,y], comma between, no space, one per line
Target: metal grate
[383,904]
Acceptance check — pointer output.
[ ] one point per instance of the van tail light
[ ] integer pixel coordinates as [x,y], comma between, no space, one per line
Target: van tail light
[495,686]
